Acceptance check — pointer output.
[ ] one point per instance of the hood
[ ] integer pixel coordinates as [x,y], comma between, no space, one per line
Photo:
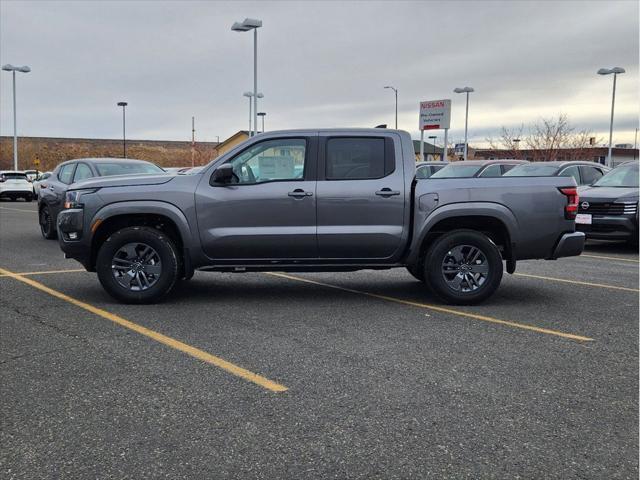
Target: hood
[609,194]
[123,181]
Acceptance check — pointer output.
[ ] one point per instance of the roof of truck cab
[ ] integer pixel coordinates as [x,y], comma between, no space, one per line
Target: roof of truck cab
[341,130]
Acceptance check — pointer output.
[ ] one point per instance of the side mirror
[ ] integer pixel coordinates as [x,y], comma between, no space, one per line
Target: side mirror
[222,174]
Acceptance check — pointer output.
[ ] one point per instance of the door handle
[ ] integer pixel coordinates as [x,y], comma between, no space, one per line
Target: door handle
[387,192]
[299,193]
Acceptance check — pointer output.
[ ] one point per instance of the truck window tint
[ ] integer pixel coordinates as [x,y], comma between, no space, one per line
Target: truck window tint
[355,158]
[491,171]
[82,172]
[66,172]
[271,160]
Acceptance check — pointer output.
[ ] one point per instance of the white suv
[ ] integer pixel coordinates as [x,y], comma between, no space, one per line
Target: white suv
[15,185]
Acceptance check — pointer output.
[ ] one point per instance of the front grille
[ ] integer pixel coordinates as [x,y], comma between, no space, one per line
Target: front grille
[608,208]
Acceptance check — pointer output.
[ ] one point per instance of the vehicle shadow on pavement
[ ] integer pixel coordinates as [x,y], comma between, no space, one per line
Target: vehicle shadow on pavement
[593,246]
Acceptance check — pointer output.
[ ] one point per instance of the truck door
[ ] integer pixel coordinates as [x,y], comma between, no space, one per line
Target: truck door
[360,196]
[269,209]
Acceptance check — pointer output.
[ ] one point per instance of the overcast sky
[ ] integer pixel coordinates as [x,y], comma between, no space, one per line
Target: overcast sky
[320,64]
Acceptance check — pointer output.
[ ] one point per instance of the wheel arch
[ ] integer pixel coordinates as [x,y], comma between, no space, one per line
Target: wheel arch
[494,220]
[159,215]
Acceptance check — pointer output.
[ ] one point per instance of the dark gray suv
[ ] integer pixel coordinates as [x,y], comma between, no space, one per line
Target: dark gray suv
[608,209]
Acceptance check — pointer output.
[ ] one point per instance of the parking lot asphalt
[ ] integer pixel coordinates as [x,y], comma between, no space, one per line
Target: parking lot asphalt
[331,375]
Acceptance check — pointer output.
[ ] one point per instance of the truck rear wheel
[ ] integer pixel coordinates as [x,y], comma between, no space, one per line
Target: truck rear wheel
[138,265]
[463,267]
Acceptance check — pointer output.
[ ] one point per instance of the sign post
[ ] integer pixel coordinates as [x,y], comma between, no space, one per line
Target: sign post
[435,115]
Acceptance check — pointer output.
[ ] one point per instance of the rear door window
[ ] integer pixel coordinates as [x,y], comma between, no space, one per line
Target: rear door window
[357,159]
[66,173]
[590,174]
[82,172]
[491,171]
[571,172]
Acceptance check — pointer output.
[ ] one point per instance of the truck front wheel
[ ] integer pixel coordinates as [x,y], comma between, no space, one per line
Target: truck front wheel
[463,267]
[138,265]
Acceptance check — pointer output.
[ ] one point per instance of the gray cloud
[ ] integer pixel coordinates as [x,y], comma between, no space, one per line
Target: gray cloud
[321,64]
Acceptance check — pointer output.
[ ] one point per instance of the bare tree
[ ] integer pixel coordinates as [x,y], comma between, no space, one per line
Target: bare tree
[547,139]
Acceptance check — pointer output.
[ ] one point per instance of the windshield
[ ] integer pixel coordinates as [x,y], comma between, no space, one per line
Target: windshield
[107,169]
[623,176]
[457,171]
[532,170]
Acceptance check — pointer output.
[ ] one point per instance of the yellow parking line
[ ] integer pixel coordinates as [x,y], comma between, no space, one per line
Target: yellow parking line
[633,260]
[19,210]
[44,272]
[158,337]
[577,282]
[437,308]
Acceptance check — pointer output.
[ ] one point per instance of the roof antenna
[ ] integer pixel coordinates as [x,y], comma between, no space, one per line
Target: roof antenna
[384,125]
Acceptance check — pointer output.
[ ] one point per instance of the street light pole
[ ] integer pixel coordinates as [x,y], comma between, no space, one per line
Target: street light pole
[124,131]
[249,95]
[24,69]
[244,26]
[608,71]
[395,90]
[262,114]
[433,144]
[466,90]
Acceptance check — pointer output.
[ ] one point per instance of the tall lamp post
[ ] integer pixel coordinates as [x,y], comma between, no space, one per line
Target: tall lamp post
[395,90]
[433,143]
[24,69]
[124,134]
[262,114]
[608,71]
[244,26]
[466,90]
[255,126]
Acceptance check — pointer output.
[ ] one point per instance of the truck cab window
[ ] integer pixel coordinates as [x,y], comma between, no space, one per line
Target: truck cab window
[355,158]
[272,160]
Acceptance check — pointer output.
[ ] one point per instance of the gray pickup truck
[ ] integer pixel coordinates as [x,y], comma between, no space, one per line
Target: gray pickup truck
[316,200]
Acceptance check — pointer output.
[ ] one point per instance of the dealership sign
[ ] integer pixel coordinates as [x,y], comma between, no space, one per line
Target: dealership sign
[435,114]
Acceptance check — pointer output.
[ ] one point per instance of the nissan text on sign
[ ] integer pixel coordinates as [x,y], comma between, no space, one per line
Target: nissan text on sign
[435,114]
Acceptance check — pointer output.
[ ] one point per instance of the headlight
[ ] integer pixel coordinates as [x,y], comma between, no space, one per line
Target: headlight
[73,198]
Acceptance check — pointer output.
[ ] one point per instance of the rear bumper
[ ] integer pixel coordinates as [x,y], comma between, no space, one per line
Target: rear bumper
[569,245]
[611,227]
[16,192]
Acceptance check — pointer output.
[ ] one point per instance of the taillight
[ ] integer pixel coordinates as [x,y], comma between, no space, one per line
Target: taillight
[571,209]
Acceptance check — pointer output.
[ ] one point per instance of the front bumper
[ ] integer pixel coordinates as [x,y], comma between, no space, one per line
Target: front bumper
[569,245]
[610,227]
[71,236]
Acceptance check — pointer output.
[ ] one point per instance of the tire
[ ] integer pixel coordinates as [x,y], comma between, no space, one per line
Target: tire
[13,199]
[463,267]
[28,198]
[47,227]
[417,271]
[129,274]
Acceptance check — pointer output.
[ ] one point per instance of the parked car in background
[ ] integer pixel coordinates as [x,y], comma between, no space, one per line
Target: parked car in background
[15,184]
[477,168]
[51,198]
[426,169]
[31,174]
[39,183]
[608,209]
[585,173]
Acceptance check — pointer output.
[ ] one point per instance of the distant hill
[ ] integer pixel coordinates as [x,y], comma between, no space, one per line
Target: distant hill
[52,151]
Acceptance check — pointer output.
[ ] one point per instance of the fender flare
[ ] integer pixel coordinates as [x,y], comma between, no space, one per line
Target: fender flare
[142,207]
[465,209]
